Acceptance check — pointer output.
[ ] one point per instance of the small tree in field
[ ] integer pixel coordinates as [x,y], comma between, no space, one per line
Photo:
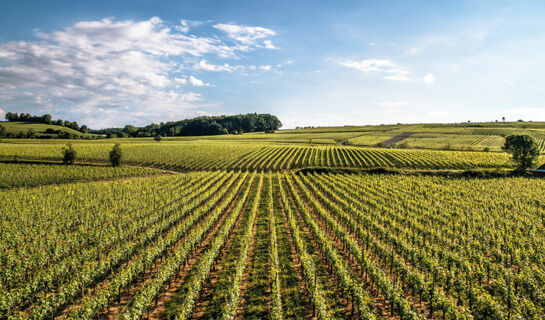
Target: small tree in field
[158,138]
[115,155]
[524,149]
[69,154]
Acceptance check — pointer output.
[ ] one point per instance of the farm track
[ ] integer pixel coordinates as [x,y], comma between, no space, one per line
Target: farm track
[400,137]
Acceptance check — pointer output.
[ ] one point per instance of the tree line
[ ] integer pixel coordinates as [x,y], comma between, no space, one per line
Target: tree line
[206,125]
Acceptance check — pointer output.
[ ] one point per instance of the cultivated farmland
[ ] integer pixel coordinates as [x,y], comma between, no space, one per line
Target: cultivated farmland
[223,229]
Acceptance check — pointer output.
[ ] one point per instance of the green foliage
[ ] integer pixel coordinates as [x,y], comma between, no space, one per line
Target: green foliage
[158,137]
[29,175]
[116,155]
[524,149]
[69,154]
[218,125]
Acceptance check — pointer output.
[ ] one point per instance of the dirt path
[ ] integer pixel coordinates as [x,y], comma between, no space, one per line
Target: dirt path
[399,137]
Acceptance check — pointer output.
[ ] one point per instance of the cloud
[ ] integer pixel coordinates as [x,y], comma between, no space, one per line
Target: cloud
[2,113]
[204,65]
[247,36]
[429,78]
[388,69]
[393,104]
[197,83]
[182,81]
[130,67]
[413,51]
[185,24]
[268,44]
[191,80]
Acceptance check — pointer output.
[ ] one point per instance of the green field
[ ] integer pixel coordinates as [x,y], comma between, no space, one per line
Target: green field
[322,223]
[463,137]
[39,129]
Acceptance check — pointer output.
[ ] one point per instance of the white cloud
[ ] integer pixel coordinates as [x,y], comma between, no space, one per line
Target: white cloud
[393,104]
[388,69]
[265,68]
[247,36]
[181,81]
[126,66]
[429,78]
[192,81]
[185,24]
[268,44]
[2,113]
[197,82]
[204,65]
[413,51]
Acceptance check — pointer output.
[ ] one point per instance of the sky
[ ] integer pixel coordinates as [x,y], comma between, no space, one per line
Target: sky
[310,63]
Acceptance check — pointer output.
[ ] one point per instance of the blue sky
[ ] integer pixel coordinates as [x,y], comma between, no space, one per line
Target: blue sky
[106,63]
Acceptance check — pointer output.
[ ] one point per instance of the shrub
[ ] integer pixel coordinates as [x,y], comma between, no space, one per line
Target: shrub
[158,138]
[116,155]
[69,154]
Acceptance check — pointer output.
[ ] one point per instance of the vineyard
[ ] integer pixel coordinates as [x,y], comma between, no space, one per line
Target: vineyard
[259,245]
[30,175]
[294,225]
[248,156]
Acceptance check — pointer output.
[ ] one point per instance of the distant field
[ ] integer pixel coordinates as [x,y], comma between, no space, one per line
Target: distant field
[454,142]
[214,155]
[474,136]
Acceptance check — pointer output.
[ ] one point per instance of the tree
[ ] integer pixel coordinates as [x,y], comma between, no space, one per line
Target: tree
[130,129]
[115,155]
[69,154]
[3,131]
[10,116]
[84,129]
[46,118]
[524,149]
[158,138]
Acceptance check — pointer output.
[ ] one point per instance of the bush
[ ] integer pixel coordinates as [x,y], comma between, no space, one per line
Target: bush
[116,155]
[69,154]
[158,138]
